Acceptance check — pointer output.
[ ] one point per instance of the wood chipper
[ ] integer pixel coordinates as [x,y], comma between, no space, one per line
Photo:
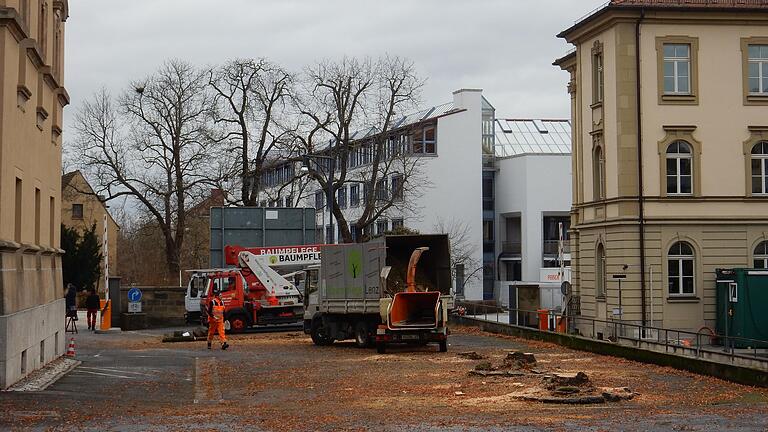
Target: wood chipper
[394,289]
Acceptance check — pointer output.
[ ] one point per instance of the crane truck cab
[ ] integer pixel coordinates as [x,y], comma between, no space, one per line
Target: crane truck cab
[196,289]
[254,295]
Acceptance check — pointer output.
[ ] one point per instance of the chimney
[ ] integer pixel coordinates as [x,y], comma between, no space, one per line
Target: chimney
[467,98]
[217,197]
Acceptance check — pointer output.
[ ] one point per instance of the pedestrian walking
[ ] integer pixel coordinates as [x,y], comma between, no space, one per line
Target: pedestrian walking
[92,304]
[216,320]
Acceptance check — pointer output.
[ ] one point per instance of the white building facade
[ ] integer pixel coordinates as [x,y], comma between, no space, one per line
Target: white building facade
[533,201]
[459,172]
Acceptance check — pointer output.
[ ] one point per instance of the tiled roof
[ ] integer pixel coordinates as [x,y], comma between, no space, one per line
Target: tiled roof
[66,178]
[515,137]
[717,4]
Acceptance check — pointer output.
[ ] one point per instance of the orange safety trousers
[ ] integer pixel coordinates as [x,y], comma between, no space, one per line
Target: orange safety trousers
[216,326]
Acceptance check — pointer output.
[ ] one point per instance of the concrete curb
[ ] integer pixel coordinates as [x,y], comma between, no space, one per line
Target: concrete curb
[109,331]
[30,383]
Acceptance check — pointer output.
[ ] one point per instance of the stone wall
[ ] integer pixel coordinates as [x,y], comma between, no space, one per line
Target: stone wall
[163,306]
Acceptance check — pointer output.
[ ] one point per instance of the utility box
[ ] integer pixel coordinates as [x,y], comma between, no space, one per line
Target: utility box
[259,227]
[742,299]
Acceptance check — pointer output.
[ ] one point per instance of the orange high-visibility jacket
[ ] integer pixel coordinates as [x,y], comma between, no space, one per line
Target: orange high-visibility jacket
[216,310]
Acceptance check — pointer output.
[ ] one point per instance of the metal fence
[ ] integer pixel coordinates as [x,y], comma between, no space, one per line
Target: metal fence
[698,344]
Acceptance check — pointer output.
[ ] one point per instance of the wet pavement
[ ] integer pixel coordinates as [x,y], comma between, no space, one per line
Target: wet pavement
[280,381]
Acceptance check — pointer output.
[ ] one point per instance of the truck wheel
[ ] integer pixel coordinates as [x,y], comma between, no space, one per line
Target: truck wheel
[362,335]
[381,348]
[320,334]
[237,324]
[444,346]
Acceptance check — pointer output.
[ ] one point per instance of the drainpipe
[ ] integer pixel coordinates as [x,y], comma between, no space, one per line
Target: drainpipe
[641,197]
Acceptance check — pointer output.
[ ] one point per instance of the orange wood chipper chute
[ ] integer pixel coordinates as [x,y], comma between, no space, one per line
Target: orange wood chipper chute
[412,308]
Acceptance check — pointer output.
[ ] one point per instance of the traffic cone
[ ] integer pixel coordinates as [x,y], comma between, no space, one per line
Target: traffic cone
[71,348]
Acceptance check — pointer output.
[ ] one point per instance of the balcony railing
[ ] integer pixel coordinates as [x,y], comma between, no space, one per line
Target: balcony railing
[511,247]
[550,247]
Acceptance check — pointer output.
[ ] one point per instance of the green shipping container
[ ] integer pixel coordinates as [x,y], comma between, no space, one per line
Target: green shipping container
[742,303]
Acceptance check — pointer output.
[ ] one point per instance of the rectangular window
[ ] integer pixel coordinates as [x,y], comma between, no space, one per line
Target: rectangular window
[397,224]
[77,211]
[17,214]
[51,222]
[353,231]
[677,68]
[381,190]
[757,69]
[397,188]
[382,226]
[354,195]
[487,231]
[38,216]
[289,201]
[424,141]
[598,80]
[341,197]
[319,200]
[430,141]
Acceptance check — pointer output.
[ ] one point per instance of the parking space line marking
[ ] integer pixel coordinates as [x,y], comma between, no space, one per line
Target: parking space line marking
[113,370]
[106,375]
[198,383]
[213,393]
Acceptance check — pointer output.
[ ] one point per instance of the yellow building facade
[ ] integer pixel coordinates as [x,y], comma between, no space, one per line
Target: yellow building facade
[670,146]
[32,98]
[82,208]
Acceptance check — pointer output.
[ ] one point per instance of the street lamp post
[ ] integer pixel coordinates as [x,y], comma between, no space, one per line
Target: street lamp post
[331,168]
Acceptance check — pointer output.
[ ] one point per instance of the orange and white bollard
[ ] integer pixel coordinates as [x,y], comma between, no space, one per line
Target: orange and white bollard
[71,348]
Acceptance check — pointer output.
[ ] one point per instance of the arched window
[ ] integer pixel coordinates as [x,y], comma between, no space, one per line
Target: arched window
[600,275]
[759,161]
[761,255]
[680,262]
[679,168]
[598,178]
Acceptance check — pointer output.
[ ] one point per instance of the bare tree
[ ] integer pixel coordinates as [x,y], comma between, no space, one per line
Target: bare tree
[154,146]
[254,100]
[463,249]
[350,107]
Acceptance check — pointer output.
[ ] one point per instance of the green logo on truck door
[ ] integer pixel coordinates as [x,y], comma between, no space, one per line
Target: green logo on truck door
[355,263]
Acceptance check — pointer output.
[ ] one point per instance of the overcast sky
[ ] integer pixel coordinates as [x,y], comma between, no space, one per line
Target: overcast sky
[505,47]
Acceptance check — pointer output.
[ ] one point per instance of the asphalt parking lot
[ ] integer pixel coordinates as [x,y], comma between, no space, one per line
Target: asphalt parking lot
[280,381]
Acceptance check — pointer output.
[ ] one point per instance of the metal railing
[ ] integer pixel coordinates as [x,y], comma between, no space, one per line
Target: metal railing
[695,344]
[511,247]
[550,247]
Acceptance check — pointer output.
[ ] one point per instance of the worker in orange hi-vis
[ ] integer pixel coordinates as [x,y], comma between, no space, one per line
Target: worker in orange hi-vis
[216,320]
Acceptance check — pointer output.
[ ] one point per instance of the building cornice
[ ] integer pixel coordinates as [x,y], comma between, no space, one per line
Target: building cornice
[48,77]
[63,96]
[611,15]
[566,62]
[10,19]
